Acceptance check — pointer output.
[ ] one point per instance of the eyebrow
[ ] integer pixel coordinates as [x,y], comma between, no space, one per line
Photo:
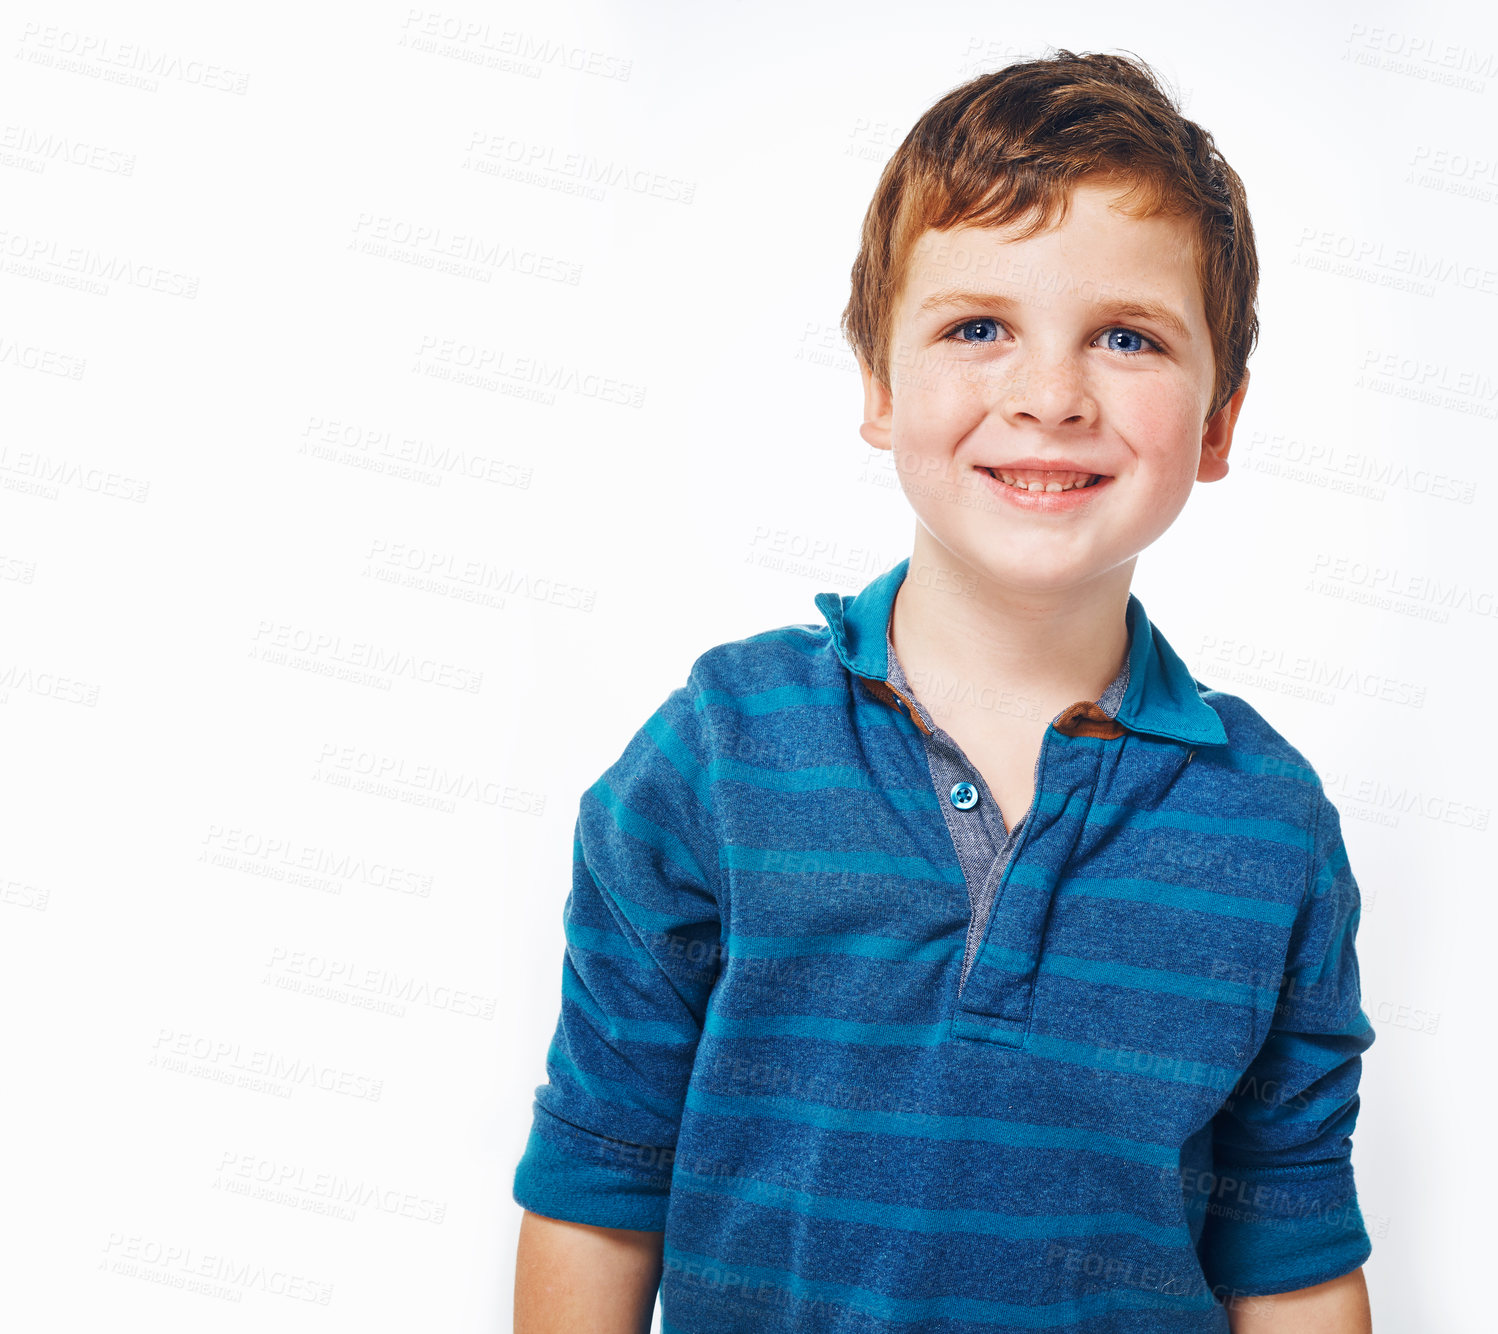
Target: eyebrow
[1137,308]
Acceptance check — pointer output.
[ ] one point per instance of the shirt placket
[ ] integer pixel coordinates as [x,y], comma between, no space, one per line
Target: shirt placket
[1008,912]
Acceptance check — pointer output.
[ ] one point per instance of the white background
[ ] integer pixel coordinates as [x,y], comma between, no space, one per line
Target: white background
[272,571]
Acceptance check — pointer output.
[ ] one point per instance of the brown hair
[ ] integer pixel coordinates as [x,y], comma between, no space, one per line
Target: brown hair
[1015,141]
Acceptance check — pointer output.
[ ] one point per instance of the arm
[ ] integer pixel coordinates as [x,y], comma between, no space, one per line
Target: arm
[1283,1235]
[569,1276]
[1336,1307]
[643,928]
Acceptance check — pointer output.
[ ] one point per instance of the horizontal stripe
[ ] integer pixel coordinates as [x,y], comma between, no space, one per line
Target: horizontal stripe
[779,699]
[604,941]
[1331,873]
[881,1213]
[1264,766]
[1163,893]
[822,779]
[639,915]
[1157,1064]
[1039,1316]
[820,1028]
[1133,977]
[682,760]
[1198,822]
[928,1125]
[856,945]
[655,836]
[1106,972]
[620,1028]
[823,861]
[610,1092]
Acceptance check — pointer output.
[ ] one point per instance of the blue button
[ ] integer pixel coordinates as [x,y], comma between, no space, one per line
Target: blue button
[964,796]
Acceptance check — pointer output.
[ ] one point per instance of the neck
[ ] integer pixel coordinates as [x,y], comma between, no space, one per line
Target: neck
[962,636]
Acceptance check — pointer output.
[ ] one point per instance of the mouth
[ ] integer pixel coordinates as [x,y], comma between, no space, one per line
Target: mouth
[1044,481]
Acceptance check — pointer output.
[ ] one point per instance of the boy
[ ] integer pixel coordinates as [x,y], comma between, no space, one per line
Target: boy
[960,962]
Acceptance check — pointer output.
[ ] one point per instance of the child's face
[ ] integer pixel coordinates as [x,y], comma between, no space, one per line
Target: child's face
[1043,356]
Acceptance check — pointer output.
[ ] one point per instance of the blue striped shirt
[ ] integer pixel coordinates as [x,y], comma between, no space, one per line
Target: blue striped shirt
[873,1061]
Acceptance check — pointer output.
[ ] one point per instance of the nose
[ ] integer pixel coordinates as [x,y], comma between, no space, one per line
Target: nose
[1049,390]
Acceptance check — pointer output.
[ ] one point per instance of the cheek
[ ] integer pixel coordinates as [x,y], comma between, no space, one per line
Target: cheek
[1162,426]
[935,404]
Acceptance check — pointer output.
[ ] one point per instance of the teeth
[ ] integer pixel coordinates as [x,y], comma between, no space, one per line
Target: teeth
[1045,481]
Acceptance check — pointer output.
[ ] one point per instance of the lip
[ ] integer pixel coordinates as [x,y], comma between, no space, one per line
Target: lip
[1043,465]
[1045,502]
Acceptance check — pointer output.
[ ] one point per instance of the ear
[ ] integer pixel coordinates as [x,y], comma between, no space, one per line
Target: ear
[1217,436]
[878,410]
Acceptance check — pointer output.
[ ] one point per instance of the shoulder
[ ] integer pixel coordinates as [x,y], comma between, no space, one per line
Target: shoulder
[798,655]
[740,704]
[764,698]
[1268,761]
[751,678]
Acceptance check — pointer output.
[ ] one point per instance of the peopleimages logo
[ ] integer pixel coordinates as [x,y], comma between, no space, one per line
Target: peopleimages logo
[128,63]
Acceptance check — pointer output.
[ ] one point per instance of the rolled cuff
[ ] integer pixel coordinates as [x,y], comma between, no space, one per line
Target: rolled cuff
[1281,1230]
[579,1177]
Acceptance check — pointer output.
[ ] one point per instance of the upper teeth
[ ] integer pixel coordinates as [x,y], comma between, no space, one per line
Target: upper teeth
[1027,480]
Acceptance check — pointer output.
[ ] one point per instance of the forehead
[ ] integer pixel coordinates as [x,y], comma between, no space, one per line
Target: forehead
[1099,254]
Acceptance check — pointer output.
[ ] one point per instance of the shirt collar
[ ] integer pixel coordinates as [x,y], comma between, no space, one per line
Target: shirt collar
[1161,699]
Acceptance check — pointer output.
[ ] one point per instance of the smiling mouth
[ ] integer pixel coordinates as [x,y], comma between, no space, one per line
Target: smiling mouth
[1031,479]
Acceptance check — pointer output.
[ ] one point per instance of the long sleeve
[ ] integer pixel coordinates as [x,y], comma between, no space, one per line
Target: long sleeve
[642,924]
[1282,1210]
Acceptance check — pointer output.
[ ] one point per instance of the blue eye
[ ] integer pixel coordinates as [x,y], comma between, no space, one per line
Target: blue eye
[1128,334]
[985,329]
[982,322]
